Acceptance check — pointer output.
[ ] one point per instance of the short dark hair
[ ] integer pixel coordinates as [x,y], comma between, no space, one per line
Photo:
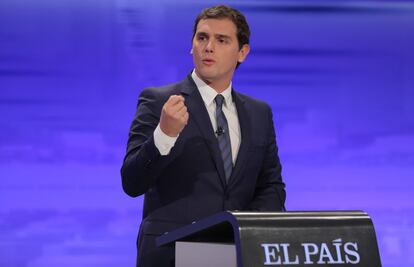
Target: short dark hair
[223,12]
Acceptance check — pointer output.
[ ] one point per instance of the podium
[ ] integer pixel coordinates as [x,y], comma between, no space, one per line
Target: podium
[250,239]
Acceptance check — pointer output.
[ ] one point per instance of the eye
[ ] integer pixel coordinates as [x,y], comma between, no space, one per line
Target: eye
[223,40]
[201,37]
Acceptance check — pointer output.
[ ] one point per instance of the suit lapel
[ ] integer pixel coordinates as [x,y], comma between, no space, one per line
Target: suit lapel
[199,114]
[245,136]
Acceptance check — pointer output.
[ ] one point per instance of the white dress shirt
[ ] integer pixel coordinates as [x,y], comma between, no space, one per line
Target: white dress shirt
[165,143]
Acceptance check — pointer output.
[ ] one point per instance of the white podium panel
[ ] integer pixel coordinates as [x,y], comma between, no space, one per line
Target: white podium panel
[202,254]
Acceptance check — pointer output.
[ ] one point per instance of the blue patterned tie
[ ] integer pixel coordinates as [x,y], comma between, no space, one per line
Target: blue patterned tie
[223,137]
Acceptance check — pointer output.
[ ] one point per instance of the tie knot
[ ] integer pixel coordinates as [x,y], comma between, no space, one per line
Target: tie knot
[219,100]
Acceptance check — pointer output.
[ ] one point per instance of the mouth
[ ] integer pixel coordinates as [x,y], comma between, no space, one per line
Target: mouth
[208,61]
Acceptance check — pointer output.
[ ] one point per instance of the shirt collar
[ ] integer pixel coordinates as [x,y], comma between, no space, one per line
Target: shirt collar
[208,93]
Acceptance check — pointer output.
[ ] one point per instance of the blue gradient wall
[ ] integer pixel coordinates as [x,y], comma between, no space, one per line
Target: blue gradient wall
[338,75]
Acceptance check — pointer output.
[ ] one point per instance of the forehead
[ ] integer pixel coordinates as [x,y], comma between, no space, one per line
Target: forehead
[217,26]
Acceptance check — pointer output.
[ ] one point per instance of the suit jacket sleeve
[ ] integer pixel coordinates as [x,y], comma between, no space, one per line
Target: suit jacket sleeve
[270,192]
[143,162]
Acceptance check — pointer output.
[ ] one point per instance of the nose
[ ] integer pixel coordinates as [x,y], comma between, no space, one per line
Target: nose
[209,47]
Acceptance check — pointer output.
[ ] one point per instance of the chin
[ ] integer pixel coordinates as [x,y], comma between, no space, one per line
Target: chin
[206,74]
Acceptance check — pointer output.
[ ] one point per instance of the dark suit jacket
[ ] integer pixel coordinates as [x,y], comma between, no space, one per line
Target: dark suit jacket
[189,183]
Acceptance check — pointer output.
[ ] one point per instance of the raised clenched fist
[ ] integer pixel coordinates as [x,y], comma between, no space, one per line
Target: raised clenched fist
[174,116]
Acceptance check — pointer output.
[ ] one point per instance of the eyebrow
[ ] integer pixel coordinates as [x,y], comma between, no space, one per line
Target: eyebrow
[222,36]
[216,35]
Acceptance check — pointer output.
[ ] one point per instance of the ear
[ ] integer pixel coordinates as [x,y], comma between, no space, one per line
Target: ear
[191,51]
[243,52]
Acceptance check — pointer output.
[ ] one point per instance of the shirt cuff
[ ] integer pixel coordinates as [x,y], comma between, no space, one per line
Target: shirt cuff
[163,142]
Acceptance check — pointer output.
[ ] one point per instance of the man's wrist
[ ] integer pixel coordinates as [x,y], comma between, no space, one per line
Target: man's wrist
[163,141]
[167,133]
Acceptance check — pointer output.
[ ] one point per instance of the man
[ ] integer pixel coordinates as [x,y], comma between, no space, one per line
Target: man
[198,147]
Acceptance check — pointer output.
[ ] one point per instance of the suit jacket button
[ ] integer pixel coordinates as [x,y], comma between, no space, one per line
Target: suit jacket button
[148,164]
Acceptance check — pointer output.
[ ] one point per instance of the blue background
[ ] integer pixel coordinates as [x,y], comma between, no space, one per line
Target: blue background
[339,76]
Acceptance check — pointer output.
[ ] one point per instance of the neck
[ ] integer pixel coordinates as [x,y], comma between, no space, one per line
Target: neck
[218,85]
